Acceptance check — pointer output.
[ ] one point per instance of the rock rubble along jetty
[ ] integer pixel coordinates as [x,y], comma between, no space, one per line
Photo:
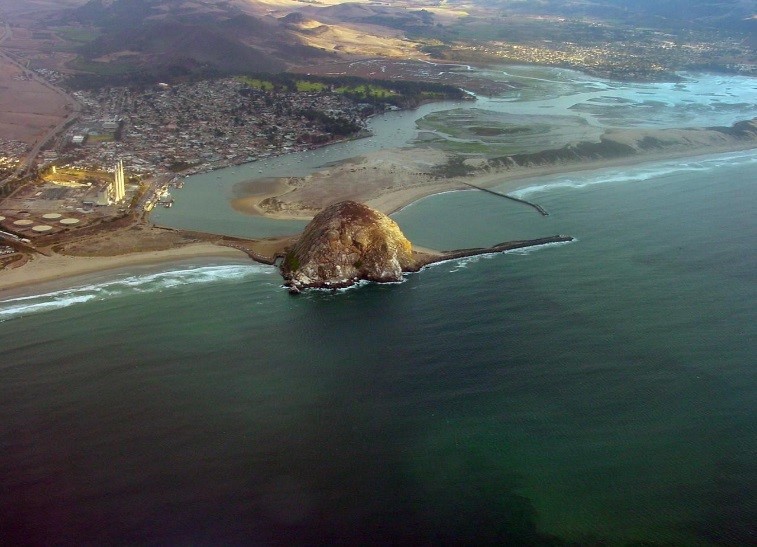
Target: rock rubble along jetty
[498,248]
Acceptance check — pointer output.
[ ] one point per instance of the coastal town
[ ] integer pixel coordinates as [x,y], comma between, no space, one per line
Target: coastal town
[111,153]
[200,126]
[638,55]
[152,138]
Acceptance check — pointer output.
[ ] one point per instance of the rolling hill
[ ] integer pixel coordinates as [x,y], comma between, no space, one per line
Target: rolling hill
[224,36]
[185,38]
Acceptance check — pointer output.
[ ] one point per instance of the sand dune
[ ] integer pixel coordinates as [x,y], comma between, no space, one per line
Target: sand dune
[390,179]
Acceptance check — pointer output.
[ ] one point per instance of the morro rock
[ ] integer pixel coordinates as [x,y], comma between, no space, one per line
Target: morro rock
[345,243]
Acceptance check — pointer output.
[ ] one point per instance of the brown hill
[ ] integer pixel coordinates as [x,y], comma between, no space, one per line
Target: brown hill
[207,36]
[164,43]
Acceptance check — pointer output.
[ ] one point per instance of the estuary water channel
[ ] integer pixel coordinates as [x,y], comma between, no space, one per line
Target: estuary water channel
[203,203]
[549,106]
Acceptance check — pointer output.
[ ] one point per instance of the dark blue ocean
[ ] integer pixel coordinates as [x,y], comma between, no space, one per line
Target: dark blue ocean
[600,392]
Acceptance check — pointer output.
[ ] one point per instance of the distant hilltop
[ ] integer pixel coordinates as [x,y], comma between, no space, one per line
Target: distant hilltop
[179,39]
[174,39]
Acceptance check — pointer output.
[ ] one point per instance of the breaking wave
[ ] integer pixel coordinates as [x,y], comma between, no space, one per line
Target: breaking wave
[463,262]
[641,173]
[125,286]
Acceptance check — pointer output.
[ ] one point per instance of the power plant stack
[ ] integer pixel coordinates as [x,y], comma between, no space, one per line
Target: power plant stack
[119,188]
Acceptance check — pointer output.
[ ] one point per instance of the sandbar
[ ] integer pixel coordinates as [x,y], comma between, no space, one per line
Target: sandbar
[390,179]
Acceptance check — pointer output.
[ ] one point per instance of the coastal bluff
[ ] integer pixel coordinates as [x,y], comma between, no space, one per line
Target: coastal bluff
[345,243]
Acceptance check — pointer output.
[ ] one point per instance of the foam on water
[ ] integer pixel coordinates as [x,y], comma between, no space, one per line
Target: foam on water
[640,173]
[313,291]
[462,263]
[528,250]
[125,286]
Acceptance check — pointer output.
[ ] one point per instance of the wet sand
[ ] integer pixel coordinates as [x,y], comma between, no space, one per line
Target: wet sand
[59,270]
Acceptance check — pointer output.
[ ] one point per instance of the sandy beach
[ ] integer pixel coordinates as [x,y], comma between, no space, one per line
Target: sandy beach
[389,180]
[58,270]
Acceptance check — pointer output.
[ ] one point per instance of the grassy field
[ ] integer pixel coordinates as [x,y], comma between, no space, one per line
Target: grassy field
[107,137]
[311,86]
[257,83]
[77,175]
[366,90]
[78,34]
[101,69]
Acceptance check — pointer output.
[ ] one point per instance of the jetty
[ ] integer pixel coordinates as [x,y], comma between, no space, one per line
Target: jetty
[443,256]
[502,247]
[536,206]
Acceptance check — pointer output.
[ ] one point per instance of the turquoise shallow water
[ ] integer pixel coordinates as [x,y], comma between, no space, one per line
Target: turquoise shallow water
[599,391]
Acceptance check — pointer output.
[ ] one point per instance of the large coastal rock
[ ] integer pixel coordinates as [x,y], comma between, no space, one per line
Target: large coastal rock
[345,243]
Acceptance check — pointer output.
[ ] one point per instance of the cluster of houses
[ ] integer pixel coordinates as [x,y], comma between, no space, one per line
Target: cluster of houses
[198,126]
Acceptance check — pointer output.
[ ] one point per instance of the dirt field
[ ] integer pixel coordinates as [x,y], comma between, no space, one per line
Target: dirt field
[28,109]
[18,11]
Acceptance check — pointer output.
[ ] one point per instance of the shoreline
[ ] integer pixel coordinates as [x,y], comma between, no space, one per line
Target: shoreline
[493,180]
[391,201]
[192,171]
[59,271]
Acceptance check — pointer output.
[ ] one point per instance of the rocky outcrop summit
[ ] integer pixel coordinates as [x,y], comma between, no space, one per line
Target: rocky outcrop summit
[345,243]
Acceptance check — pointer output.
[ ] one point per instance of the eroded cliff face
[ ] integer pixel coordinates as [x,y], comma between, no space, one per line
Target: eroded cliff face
[345,243]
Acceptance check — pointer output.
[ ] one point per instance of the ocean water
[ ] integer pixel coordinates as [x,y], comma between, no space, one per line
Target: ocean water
[597,392]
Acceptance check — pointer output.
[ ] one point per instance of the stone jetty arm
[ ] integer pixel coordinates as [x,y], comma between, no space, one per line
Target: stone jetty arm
[427,259]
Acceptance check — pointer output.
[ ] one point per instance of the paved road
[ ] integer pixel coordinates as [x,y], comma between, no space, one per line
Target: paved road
[26,165]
